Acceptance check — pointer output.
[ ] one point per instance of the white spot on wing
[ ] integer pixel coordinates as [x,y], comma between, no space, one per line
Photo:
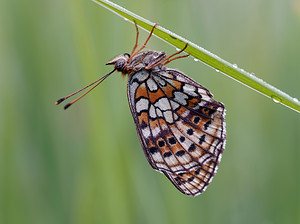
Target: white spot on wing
[185,159]
[157,157]
[189,165]
[163,104]
[204,95]
[146,132]
[176,168]
[142,104]
[168,116]
[181,79]
[189,89]
[155,131]
[158,112]
[180,98]
[175,116]
[141,75]
[174,105]
[163,166]
[171,161]
[160,81]
[152,85]
[133,87]
[152,112]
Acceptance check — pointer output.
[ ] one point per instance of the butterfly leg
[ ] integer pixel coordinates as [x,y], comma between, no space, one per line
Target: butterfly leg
[144,45]
[168,59]
[137,38]
[183,56]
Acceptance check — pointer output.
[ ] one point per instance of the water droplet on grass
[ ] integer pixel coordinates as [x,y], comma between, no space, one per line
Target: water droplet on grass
[276,99]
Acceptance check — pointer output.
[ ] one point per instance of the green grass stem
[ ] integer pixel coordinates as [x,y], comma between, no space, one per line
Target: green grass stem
[208,58]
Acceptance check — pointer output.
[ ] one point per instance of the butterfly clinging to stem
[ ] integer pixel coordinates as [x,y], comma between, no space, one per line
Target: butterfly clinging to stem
[180,126]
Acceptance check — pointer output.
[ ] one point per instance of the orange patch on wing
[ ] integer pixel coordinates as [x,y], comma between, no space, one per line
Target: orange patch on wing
[181,110]
[141,91]
[154,124]
[168,90]
[163,124]
[143,117]
[153,96]
[151,144]
[205,111]
[176,84]
[203,121]
[193,102]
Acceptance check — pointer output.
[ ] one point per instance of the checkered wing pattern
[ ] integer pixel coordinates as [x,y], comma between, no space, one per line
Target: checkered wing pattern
[180,126]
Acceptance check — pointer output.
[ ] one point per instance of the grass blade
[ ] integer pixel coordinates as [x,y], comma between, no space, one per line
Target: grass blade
[207,58]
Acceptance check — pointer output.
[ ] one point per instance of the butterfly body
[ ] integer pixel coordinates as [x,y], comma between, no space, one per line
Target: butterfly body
[128,66]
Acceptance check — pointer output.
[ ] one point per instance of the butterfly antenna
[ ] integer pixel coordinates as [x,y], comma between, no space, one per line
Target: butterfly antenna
[97,81]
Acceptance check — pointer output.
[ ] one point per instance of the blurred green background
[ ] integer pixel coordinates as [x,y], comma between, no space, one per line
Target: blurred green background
[86,165]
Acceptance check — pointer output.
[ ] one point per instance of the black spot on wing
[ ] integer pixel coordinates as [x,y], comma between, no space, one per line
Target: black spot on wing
[190,131]
[153,150]
[172,141]
[167,154]
[180,153]
[192,148]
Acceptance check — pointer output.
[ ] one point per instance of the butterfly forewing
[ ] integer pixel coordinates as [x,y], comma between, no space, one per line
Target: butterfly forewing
[180,126]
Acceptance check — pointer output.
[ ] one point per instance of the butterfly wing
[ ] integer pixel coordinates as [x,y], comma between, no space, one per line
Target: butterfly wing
[180,126]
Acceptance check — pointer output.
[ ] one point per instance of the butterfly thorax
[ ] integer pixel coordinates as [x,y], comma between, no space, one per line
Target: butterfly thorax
[130,65]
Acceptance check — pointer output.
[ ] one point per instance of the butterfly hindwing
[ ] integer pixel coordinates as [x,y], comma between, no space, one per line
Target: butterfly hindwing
[180,126]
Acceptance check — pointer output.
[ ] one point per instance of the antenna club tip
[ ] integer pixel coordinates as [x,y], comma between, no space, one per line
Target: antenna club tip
[67,106]
[59,101]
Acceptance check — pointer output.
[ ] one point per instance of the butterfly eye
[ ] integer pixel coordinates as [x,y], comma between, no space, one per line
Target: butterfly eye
[119,65]
[119,62]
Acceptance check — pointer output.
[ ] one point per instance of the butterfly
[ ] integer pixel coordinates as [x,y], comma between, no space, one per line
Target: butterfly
[180,126]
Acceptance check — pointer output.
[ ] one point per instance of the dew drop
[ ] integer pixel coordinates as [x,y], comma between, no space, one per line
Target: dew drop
[235,65]
[177,49]
[217,70]
[195,59]
[276,99]
[126,19]
[296,100]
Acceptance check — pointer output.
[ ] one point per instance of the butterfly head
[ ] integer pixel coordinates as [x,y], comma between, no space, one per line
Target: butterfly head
[119,62]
